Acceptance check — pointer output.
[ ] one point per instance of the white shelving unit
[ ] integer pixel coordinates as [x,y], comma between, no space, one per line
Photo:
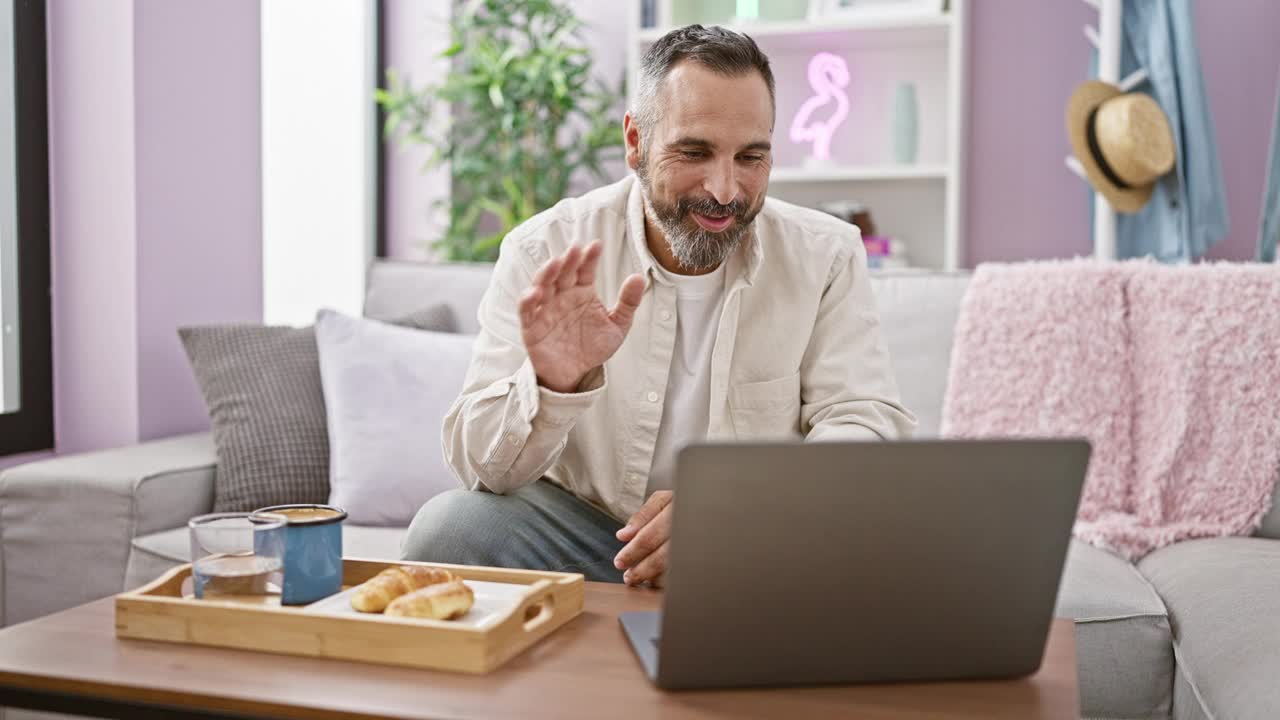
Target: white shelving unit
[847,31]
[861,173]
[919,202]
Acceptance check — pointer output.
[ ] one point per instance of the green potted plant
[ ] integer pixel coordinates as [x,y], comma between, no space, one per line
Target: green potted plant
[526,115]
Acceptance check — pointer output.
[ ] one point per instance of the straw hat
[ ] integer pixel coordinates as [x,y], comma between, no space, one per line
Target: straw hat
[1122,140]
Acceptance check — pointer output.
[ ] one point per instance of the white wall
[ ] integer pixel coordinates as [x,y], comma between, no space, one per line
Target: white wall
[318,63]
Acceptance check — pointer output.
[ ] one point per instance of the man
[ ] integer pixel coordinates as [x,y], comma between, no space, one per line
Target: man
[736,317]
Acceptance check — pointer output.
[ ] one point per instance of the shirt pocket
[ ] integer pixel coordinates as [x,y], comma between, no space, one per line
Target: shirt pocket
[768,410]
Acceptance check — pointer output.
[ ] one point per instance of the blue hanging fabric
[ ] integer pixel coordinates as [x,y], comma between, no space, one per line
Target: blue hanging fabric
[1187,212]
[1269,235]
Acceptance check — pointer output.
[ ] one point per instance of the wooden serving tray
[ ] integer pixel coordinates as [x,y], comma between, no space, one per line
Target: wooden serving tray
[160,611]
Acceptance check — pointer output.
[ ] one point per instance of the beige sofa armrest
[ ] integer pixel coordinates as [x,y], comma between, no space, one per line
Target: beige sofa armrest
[67,523]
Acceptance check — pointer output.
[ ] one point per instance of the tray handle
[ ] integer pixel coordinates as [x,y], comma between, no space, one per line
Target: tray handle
[538,607]
[172,577]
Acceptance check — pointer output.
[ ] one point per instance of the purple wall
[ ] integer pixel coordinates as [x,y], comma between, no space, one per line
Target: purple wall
[199,186]
[1240,55]
[1021,202]
[415,33]
[94,264]
[156,205]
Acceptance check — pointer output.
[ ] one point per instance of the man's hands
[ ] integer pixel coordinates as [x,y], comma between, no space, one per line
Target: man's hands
[566,329]
[567,332]
[646,534]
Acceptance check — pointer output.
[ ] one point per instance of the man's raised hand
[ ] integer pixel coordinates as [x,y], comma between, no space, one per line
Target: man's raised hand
[566,330]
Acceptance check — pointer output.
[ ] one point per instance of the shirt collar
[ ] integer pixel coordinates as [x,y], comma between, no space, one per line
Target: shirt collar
[743,266]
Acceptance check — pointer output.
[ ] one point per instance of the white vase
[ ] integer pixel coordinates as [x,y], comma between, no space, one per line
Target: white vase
[905,123]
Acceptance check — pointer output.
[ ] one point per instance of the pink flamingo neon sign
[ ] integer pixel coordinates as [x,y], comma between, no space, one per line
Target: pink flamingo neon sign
[828,76]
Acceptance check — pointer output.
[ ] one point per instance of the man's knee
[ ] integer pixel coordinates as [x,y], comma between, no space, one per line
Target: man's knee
[456,526]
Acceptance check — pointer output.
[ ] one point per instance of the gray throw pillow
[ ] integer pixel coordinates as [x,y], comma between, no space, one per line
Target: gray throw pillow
[437,318]
[262,387]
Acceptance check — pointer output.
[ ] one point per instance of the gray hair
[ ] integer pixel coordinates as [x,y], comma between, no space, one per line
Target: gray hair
[722,51]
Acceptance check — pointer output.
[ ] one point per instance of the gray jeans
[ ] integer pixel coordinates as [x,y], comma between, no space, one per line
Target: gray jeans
[538,527]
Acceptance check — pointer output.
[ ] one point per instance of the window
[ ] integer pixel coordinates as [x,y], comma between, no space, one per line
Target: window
[26,362]
[318,156]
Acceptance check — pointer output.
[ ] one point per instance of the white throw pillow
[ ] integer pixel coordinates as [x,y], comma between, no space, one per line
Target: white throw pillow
[386,392]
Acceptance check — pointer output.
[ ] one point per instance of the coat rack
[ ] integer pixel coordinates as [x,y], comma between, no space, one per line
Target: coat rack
[1106,38]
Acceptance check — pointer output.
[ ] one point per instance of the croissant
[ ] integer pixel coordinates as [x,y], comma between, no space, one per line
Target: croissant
[445,601]
[378,592]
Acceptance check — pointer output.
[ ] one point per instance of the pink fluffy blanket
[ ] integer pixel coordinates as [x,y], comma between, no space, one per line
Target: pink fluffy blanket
[1171,372]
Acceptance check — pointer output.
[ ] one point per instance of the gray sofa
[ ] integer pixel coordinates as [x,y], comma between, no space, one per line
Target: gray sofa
[1192,631]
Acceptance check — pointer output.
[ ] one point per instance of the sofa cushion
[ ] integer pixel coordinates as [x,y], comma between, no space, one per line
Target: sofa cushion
[396,289]
[1223,596]
[1123,643]
[387,390]
[1187,705]
[1270,527]
[917,320]
[152,555]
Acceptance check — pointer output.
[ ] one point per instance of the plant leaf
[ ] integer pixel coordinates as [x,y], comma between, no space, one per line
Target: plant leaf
[526,115]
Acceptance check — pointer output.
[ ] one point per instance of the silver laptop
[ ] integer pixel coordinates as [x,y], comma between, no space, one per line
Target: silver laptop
[826,563]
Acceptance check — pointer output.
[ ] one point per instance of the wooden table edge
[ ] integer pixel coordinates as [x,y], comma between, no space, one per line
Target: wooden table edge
[125,699]
[140,700]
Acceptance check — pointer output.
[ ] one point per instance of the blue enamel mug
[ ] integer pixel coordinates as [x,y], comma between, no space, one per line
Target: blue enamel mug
[312,551]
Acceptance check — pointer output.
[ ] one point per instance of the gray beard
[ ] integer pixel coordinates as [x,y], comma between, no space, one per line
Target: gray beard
[694,249]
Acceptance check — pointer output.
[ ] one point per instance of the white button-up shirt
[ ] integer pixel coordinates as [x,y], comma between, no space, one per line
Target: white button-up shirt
[798,353]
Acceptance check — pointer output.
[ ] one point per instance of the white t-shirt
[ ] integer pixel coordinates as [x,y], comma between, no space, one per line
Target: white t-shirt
[686,412]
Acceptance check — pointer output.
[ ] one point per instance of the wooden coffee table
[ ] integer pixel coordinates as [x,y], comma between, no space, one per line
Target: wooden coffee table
[72,662]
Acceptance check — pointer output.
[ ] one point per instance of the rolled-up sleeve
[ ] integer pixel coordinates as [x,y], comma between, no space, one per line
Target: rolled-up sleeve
[847,385]
[505,431]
